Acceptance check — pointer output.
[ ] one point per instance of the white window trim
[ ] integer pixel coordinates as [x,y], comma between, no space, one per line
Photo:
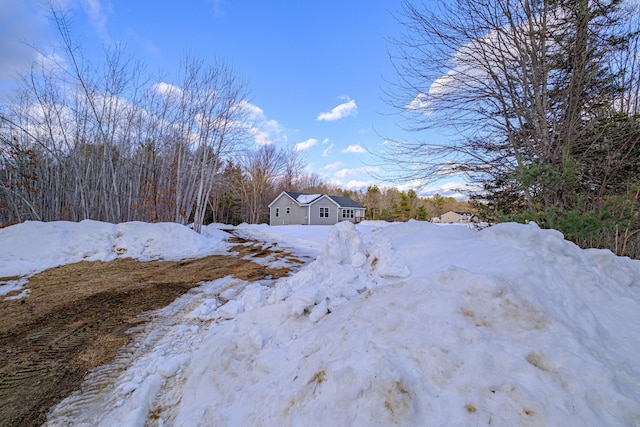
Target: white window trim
[348,213]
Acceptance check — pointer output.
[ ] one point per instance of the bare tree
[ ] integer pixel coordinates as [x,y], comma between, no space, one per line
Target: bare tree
[294,165]
[83,141]
[262,168]
[538,98]
[488,72]
[209,123]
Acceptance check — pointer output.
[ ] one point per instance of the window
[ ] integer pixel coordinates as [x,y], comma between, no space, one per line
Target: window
[277,212]
[288,210]
[347,213]
[324,212]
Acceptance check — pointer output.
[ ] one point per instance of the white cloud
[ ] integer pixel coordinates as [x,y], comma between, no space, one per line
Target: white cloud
[97,16]
[354,184]
[66,123]
[335,165]
[420,104]
[325,141]
[268,132]
[483,62]
[341,111]
[253,111]
[355,149]
[51,62]
[305,145]
[448,169]
[345,173]
[167,90]
[25,30]
[418,185]
[263,130]
[327,150]
[444,189]
[358,185]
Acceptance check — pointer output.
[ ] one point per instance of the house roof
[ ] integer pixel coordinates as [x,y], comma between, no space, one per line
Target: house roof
[460,213]
[345,202]
[303,198]
[306,199]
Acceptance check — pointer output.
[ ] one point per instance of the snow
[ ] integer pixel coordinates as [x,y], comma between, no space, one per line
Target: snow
[30,247]
[390,324]
[308,238]
[307,198]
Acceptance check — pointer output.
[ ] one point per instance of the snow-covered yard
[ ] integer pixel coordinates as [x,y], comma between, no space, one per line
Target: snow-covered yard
[391,324]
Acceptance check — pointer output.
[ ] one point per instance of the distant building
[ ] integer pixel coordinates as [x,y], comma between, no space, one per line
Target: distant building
[313,209]
[452,217]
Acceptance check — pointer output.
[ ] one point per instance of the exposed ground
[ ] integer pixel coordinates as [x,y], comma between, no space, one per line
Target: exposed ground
[76,318]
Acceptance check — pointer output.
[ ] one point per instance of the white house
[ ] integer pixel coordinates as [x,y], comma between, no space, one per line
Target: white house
[313,209]
[452,217]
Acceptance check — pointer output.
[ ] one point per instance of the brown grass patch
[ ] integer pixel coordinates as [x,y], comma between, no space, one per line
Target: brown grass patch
[76,318]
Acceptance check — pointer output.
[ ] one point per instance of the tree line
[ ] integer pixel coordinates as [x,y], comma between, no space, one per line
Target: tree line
[540,100]
[391,204]
[103,141]
[107,142]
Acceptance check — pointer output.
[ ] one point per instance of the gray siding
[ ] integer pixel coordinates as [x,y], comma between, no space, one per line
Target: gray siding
[310,214]
[324,202]
[297,215]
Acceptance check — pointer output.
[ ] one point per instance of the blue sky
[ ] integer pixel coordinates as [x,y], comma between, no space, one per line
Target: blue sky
[316,70]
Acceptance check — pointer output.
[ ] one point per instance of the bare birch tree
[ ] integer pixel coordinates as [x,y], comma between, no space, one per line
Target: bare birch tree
[83,141]
[209,125]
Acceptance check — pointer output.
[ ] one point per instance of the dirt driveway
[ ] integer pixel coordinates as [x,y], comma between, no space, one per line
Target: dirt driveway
[76,317]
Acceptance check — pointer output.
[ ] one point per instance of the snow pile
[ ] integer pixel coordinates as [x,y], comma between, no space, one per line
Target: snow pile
[167,240]
[308,239]
[30,247]
[405,324]
[546,335]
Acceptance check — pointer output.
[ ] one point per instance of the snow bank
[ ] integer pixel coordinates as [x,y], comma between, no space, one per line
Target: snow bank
[30,247]
[396,324]
[516,327]
[307,238]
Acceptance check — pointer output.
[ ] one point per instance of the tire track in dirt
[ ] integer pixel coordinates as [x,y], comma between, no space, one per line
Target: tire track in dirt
[76,318]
